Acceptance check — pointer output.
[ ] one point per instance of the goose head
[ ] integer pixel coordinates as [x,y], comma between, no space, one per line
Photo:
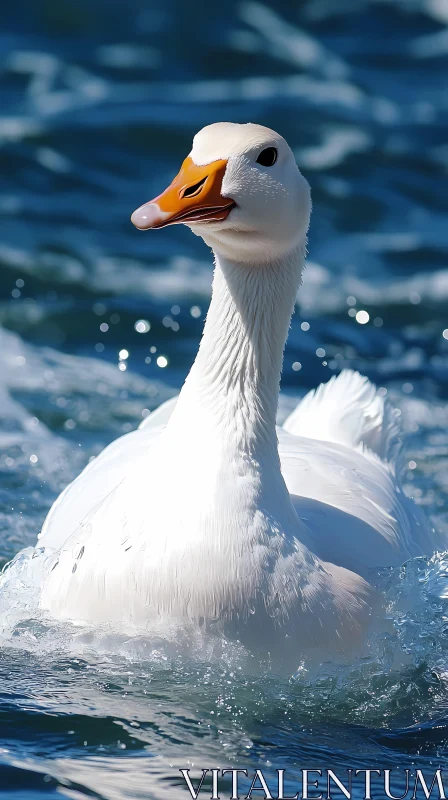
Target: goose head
[240,190]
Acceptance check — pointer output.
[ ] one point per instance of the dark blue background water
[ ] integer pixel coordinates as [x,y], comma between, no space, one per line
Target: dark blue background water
[100,101]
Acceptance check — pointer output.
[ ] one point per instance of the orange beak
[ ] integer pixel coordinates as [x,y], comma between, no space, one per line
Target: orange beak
[193,196]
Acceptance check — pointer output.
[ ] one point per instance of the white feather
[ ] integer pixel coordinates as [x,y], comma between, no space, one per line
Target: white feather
[348,410]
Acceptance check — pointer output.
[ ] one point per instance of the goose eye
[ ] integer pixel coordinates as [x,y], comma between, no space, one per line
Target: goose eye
[268,157]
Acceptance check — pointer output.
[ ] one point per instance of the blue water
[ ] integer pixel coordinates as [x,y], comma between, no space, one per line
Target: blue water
[100,101]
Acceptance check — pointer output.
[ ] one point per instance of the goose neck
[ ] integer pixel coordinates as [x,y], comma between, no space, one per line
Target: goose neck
[234,382]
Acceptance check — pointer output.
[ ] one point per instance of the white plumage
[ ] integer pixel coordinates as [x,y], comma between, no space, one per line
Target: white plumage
[203,513]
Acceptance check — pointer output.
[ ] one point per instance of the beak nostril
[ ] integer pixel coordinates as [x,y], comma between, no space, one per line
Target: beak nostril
[192,191]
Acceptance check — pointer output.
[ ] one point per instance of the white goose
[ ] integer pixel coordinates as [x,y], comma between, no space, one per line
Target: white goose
[207,512]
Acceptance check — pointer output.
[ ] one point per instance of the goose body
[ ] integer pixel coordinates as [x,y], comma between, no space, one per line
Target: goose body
[208,512]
